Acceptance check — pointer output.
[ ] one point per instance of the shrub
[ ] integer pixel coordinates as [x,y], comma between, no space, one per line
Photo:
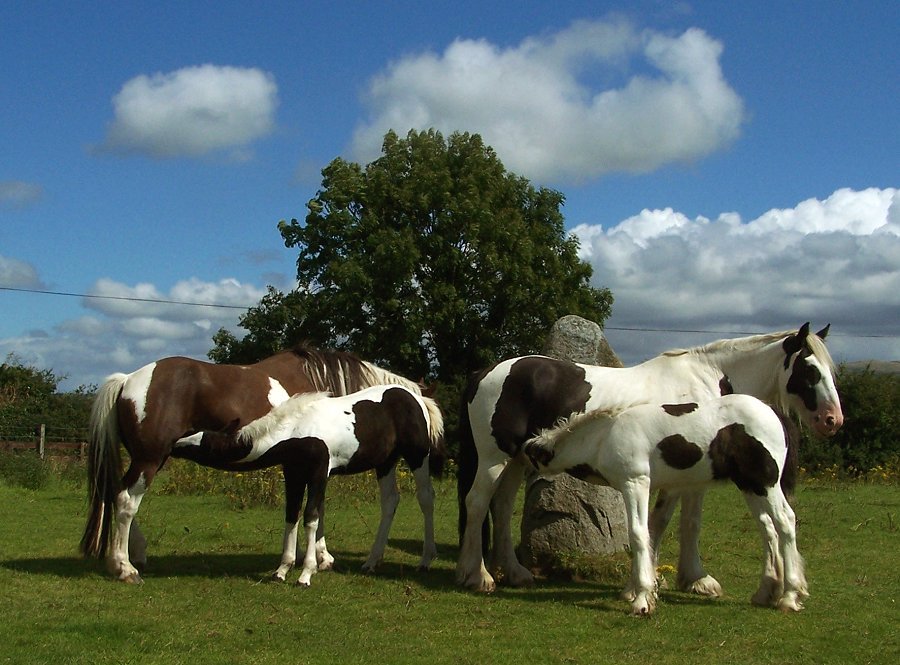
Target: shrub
[870,437]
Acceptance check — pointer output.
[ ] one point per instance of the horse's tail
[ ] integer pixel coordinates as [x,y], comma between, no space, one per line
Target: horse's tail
[104,465]
[438,451]
[468,462]
[791,469]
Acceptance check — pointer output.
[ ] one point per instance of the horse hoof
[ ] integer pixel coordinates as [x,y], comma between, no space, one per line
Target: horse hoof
[275,577]
[134,578]
[706,586]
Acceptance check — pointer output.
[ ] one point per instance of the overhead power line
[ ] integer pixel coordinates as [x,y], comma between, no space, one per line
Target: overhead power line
[245,307]
[128,298]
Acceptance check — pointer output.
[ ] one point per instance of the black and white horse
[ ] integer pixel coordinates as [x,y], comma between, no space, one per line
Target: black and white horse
[512,401]
[681,447]
[312,436]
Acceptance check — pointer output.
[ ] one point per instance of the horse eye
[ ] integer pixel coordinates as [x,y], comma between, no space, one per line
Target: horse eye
[813,375]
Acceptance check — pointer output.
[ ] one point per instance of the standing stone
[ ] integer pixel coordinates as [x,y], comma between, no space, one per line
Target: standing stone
[566,515]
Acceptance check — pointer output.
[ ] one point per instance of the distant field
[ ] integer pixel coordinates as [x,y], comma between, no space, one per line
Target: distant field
[206,598]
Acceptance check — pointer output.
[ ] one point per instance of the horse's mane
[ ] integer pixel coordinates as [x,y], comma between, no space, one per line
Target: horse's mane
[342,373]
[289,408]
[815,344]
[564,427]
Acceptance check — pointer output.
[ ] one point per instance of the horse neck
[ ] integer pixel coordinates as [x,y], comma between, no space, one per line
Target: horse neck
[753,370]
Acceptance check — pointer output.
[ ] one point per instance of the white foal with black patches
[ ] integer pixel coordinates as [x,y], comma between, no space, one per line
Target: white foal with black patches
[314,436]
[680,447]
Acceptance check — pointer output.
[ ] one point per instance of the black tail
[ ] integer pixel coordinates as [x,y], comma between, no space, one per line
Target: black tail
[468,462]
[792,460]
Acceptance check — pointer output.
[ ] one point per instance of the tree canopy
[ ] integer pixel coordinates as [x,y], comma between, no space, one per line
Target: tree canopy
[29,397]
[432,260]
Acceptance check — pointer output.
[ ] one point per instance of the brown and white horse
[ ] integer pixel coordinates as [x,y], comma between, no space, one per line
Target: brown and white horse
[313,436]
[151,408]
[512,401]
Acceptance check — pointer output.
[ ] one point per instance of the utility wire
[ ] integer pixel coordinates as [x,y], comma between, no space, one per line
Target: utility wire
[245,307]
[128,298]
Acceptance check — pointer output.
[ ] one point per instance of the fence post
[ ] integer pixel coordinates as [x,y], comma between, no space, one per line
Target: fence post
[42,437]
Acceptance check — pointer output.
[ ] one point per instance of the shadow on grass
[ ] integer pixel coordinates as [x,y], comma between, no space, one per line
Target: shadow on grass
[587,594]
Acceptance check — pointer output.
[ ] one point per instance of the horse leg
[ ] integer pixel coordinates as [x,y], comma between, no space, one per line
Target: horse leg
[795,586]
[771,582]
[425,497]
[137,547]
[294,486]
[390,497]
[660,517]
[470,569]
[503,556]
[691,575]
[636,493]
[323,556]
[314,498]
[136,481]
[783,583]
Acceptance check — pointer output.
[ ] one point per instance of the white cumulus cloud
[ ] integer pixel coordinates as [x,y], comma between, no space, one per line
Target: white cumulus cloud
[834,260]
[192,111]
[594,98]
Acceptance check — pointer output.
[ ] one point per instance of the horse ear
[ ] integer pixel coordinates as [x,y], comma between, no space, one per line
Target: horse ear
[794,343]
[823,333]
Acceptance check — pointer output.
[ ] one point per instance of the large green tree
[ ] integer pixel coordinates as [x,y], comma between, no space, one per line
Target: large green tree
[433,260]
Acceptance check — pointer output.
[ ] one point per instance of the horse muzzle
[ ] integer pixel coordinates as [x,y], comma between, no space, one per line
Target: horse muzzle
[828,421]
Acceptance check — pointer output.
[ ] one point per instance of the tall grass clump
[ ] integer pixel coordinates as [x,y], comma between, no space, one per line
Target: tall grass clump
[24,469]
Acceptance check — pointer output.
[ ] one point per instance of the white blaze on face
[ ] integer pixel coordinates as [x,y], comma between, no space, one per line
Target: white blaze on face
[136,388]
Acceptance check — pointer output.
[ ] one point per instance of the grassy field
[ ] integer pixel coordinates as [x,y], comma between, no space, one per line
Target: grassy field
[206,599]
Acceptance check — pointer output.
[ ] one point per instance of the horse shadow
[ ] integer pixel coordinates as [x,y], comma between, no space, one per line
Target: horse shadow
[440,577]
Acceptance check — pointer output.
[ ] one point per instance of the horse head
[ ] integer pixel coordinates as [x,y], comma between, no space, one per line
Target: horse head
[807,383]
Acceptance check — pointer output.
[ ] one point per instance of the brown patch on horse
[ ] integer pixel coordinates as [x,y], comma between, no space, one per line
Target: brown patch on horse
[678,452]
[737,456]
[680,409]
[588,474]
[725,387]
[387,430]
[537,392]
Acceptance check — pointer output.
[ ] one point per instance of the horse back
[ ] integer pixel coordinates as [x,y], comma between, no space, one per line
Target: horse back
[172,397]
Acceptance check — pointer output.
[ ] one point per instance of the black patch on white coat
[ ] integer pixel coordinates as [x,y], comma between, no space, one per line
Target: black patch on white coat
[725,387]
[386,430]
[588,474]
[680,409]
[537,392]
[678,452]
[737,456]
[803,380]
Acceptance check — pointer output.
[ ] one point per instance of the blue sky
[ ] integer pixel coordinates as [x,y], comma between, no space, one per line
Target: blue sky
[728,167]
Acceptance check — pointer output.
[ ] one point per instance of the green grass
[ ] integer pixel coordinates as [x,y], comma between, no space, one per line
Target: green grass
[206,599]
